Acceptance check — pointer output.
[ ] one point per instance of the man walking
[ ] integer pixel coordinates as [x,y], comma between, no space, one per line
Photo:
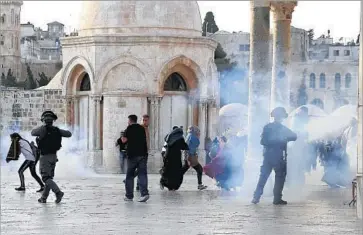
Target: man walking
[274,139]
[50,141]
[137,153]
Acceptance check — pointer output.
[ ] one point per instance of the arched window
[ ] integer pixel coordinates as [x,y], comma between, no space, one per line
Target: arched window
[312,80]
[85,83]
[348,80]
[322,80]
[2,38]
[3,19]
[318,103]
[175,82]
[338,81]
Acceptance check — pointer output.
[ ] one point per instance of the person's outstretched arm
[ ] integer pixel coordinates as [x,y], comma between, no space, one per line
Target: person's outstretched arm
[37,131]
[65,133]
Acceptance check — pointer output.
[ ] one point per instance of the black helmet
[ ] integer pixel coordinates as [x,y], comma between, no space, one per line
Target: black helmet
[48,114]
[279,112]
[15,135]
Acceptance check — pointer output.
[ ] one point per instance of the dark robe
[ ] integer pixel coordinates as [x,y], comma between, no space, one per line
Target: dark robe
[171,174]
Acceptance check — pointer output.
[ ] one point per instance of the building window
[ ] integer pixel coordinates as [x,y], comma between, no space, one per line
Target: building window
[338,81]
[312,80]
[85,83]
[12,16]
[346,52]
[322,80]
[175,82]
[348,80]
[336,52]
[2,39]
[3,18]
[244,47]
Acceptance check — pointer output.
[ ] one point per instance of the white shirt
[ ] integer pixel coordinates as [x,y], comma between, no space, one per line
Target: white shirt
[26,150]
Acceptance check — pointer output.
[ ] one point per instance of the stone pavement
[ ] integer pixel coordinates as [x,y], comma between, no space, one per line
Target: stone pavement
[95,205]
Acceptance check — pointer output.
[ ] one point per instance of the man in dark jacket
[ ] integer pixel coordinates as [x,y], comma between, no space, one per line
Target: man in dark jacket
[274,139]
[137,153]
[122,148]
[50,138]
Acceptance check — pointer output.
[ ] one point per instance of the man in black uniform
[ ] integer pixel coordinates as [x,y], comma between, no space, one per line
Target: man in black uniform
[274,139]
[49,142]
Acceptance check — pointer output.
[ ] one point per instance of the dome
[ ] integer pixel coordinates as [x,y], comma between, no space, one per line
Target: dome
[169,18]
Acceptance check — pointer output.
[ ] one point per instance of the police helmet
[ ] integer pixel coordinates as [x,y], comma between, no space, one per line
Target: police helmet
[48,115]
[279,112]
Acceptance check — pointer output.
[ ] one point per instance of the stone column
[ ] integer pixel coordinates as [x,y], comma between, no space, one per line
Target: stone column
[69,111]
[259,75]
[202,124]
[282,15]
[96,121]
[155,122]
[75,101]
[360,124]
[190,111]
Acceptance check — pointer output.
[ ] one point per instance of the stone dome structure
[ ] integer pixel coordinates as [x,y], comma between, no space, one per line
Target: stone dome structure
[171,18]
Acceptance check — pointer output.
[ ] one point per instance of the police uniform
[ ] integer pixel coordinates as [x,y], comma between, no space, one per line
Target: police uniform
[274,139]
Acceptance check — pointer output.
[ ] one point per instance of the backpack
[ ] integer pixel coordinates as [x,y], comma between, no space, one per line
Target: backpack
[35,150]
[51,142]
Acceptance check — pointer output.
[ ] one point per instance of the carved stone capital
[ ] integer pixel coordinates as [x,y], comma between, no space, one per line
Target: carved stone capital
[96,98]
[259,3]
[283,9]
[154,100]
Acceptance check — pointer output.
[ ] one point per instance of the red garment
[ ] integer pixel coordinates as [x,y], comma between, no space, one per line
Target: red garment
[216,166]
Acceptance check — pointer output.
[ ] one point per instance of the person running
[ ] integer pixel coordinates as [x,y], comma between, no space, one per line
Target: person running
[30,153]
[191,156]
[50,141]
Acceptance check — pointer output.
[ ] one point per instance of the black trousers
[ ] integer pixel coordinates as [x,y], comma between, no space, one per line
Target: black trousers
[198,168]
[31,165]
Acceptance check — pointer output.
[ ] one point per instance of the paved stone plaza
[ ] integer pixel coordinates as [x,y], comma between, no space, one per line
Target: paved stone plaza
[95,205]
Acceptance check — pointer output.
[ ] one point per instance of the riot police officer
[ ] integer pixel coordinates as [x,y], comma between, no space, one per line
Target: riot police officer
[274,139]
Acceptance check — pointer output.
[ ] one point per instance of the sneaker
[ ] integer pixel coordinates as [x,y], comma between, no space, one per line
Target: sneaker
[202,187]
[144,198]
[126,199]
[255,201]
[40,190]
[42,200]
[20,189]
[280,202]
[59,197]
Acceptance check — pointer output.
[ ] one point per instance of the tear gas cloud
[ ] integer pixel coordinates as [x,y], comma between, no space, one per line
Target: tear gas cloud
[72,156]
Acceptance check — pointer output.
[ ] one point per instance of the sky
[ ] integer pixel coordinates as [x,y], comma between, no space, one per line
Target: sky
[342,18]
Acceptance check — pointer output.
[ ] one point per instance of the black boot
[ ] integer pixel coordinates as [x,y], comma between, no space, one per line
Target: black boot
[41,189]
[20,189]
[280,202]
[42,200]
[59,196]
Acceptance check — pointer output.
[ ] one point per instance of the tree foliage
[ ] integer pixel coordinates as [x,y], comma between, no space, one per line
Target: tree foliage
[10,79]
[311,35]
[209,24]
[30,83]
[43,80]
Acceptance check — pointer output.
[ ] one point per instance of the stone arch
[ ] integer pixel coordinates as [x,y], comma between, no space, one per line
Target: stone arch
[73,73]
[337,81]
[348,80]
[322,80]
[318,102]
[186,67]
[141,65]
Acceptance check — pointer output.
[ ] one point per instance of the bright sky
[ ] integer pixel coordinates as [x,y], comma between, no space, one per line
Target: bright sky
[341,17]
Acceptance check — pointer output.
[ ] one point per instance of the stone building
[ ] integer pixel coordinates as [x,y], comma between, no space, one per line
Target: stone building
[10,37]
[141,57]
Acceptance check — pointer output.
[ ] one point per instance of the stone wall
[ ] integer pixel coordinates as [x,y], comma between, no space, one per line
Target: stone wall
[21,110]
[49,67]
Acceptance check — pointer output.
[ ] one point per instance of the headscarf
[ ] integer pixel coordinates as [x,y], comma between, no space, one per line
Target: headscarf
[194,130]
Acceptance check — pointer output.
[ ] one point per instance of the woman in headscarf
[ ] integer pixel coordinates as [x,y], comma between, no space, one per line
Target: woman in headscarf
[191,156]
[171,173]
[31,155]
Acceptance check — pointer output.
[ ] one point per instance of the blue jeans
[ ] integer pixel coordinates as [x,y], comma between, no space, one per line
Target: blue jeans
[122,161]
[140,164]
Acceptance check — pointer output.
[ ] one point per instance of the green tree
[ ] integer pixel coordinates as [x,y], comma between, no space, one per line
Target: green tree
[30,82]
[311,35]
[43,80]
[209,25]
[10,80]
[3,79]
